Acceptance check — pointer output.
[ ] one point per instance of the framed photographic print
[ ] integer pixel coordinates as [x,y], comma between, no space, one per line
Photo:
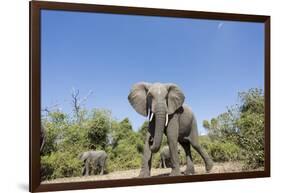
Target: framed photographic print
[123,96]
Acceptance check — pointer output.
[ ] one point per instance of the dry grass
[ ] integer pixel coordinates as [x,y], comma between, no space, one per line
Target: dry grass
[227,167]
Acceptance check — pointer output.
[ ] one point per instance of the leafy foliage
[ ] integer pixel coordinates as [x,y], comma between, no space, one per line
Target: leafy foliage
[60,164]
[98,126]
[243,126]
[124,153]
[251,127]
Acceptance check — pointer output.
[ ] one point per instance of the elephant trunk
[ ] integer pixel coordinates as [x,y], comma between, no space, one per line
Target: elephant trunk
[160,119]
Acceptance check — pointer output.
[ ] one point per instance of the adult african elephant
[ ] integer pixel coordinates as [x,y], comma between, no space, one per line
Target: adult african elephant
[95,159]
[165,157]
[163,104]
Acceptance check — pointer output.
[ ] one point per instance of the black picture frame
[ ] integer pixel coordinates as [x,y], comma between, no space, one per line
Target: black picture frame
[35,95]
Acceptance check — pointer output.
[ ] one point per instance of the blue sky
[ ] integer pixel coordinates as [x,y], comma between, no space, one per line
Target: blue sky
[210,60]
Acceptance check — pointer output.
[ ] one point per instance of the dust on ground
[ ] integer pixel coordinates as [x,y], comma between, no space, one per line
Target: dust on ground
[227,167]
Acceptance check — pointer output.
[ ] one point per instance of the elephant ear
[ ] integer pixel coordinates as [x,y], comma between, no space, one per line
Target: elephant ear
[137,97]
[175,98]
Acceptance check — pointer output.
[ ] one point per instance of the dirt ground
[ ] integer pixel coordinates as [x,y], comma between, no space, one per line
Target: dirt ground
[199,169]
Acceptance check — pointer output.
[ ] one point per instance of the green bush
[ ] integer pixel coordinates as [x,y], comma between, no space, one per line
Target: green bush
[125,147]
[242,125]
[218,151]
[98,126]
[251,124]
[224,151]
[124,156]
[59,165]
[252,140]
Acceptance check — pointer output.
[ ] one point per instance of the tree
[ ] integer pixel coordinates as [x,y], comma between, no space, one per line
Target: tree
[54,126]
[98,128]
[125,146]
[78,104]
[251,125]
[243,125]
[121,130]
[212,128]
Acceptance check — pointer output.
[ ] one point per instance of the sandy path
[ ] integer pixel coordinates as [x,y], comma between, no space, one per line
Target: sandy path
[199,169]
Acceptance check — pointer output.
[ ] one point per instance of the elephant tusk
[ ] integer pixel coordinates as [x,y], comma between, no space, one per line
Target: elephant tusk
[151,117]
[148,113]
[167,119]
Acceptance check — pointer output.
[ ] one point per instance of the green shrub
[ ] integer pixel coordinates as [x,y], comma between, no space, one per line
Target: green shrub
[126,149]
[217,150]
[224,151]
[242,125]
[98,126]
[124,156]
[59,165]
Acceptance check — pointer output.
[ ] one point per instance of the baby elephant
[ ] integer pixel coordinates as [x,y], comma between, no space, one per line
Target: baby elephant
[165,157]
[95,159]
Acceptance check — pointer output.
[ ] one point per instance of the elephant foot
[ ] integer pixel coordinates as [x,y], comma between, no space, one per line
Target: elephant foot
[144,174]
[189,171]
[209,165]
[175,172]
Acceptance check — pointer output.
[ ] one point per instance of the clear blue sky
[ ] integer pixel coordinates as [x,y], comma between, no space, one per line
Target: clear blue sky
[210,60]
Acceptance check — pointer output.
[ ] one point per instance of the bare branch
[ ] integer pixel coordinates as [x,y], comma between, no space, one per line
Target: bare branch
[75,101]
[78,103]
[83,101]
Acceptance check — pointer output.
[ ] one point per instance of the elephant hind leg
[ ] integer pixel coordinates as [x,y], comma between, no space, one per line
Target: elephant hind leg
[193,139]
[102,166]
[208,161]
[189,163]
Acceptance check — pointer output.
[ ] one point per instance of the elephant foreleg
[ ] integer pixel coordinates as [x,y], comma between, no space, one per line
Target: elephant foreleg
[172,135]
[146,159]
[164,163]
[87,167]
[83,170]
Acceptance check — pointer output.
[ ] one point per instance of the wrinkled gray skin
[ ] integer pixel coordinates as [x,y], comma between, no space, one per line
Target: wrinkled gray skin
[165,157]
[156,101]
[96,159]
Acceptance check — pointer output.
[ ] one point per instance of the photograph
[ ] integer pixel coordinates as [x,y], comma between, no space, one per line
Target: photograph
[136,96]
